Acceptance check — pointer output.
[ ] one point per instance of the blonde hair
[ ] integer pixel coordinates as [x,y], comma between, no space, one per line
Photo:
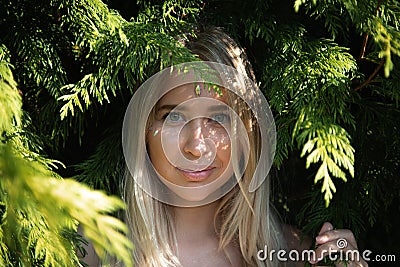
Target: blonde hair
[247,218]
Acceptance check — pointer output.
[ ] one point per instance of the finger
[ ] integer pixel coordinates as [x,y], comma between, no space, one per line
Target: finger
[327,226]
[346,236]
[324,250]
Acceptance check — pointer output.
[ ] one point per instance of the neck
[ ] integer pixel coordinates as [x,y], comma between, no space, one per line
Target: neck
[195,222]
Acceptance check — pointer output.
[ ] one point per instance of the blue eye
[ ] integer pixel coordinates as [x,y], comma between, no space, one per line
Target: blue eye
[220,118]
[173,117]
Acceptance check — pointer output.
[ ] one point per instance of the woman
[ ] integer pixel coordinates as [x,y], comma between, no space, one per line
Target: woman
[198,142]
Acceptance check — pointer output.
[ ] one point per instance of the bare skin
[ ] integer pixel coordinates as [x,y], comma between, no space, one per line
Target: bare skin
[197,240]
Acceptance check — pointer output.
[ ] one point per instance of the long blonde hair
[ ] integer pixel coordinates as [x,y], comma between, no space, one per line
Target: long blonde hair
[247,218]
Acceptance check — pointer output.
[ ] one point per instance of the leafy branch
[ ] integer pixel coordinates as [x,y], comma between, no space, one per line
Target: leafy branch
[331,146]
[40,208]
[40,212]
[10,99]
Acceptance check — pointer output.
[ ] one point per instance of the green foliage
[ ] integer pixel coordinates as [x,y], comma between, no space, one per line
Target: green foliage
[10,100]
[133,49]
[344,211]
[39,209]
[314,86]
[40,212]
[329,69]
[172,15]
[334,103]
[109,150]
[380,19]
[332,147]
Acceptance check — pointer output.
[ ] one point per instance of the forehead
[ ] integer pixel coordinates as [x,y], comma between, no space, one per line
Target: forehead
[193,90]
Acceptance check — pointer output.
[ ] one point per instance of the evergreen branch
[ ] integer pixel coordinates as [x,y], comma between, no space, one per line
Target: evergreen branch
[104,169]
[89,20]
[40,208]
[10,99]
[371,77]
[36,42]
[15,124]
[390,87]
[307,80]
[299,3]
[329,145]
[284,140]
[388,39]
[363,46]
[133,48]
[343,211]
[365,17]
[173,16]
[39,61]
[139,49]
[322,71]
[378,6]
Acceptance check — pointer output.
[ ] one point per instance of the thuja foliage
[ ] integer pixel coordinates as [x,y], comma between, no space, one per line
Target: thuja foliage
[40,211]
[329,69]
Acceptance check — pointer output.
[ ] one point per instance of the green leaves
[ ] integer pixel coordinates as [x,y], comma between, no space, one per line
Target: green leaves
[313,90]
[39,208]
[10,100]
[330,146]
[39,212]
[388,39]
[121,53]
[376,18]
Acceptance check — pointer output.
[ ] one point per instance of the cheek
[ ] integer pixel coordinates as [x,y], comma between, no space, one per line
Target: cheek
[159,160]
[224,154]
[155,149]
[223,142]
[223,145]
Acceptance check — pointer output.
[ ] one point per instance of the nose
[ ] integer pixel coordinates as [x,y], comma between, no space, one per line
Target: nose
[193,139]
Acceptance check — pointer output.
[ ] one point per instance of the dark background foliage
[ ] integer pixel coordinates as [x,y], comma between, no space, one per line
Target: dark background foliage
[329,69]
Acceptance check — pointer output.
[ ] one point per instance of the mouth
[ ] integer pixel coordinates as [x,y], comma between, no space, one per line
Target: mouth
[197,176]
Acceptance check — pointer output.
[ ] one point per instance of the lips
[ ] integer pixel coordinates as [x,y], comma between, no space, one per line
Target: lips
[197,176]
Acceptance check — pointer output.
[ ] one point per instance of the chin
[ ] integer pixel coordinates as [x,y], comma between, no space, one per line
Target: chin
[193,194]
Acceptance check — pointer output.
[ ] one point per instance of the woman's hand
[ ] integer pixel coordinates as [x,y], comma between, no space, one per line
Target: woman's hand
[339,245]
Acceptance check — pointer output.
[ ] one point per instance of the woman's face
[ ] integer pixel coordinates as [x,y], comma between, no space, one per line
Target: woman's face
[188,140]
